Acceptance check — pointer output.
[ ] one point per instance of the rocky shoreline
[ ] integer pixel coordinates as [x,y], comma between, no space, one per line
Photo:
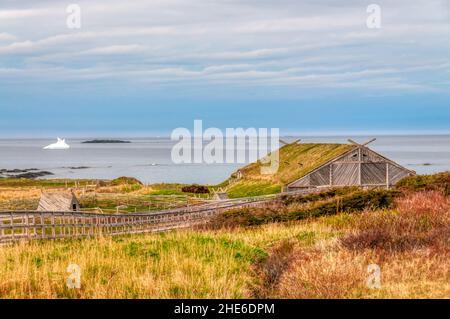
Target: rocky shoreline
[30,173]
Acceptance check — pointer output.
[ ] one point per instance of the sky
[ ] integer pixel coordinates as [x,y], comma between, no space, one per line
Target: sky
[147,67]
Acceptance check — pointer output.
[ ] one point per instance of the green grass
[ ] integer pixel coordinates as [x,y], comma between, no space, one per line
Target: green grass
[253,188]
[23,182]
[131,202]
[167,192]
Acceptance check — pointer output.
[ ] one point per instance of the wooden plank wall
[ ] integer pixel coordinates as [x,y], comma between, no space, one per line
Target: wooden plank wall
[373,173]
[360,167]
[345,174]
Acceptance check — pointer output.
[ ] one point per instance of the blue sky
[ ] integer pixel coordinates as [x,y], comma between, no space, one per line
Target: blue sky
[147,67]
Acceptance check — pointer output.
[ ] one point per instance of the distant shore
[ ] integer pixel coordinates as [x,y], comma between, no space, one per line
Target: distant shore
[105,142]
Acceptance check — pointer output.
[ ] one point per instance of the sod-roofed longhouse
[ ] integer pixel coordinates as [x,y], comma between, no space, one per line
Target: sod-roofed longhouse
[359,166]
[311,165]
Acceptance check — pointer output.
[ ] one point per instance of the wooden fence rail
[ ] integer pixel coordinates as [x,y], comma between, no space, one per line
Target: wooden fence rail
[27,225]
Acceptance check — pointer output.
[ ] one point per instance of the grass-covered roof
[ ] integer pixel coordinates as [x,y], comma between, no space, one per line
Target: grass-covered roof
[296,160]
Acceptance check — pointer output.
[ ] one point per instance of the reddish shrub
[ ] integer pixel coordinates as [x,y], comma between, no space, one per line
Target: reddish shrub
[422,219]
[271,269]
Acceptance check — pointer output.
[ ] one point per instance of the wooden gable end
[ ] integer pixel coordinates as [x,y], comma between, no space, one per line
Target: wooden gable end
[58,202]
[357,167]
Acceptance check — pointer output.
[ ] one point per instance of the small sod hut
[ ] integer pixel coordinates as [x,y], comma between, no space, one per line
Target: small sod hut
[58,202]
[220,196]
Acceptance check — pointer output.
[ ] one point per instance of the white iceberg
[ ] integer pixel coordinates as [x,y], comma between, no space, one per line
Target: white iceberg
[59,145]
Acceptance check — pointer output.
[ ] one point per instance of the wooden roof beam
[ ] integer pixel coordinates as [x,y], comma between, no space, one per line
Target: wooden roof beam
[287,143]
[364,144]
[370,141]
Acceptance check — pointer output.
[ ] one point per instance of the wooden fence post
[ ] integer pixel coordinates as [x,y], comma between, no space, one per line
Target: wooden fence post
[42,225]
[53,225]
[11,224]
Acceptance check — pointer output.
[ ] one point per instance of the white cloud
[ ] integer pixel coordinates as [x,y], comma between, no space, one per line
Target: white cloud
[295,44]
[302,24]
[20,14]
[7,37]
[17,47]
[115,49]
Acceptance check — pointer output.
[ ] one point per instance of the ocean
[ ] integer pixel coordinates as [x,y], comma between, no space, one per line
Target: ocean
[149,159]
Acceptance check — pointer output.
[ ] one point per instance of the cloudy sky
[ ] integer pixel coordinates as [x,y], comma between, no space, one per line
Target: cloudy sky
[146,67]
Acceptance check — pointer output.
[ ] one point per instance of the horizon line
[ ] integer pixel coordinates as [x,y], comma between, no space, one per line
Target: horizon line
[312,134]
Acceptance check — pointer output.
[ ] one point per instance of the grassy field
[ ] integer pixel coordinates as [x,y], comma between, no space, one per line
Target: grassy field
[325,257]
[123,194]
[313,246]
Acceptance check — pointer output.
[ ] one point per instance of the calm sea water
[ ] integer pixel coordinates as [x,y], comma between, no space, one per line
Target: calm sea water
[149,159]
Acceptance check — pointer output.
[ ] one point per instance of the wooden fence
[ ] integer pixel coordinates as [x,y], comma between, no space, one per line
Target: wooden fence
[27,225]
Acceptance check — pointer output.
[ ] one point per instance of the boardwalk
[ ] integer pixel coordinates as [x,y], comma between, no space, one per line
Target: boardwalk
[27,225]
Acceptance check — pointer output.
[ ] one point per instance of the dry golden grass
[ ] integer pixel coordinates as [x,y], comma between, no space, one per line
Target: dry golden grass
[411,246]
[182,264]
[340,273]
[316,258]
[19,198]
[176,265]
[19,193]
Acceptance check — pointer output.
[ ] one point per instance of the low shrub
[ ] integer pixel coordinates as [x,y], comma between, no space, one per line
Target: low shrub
[280,212]
[438,182]
[123,180]
[195,189]
[290,199]
[355,202]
